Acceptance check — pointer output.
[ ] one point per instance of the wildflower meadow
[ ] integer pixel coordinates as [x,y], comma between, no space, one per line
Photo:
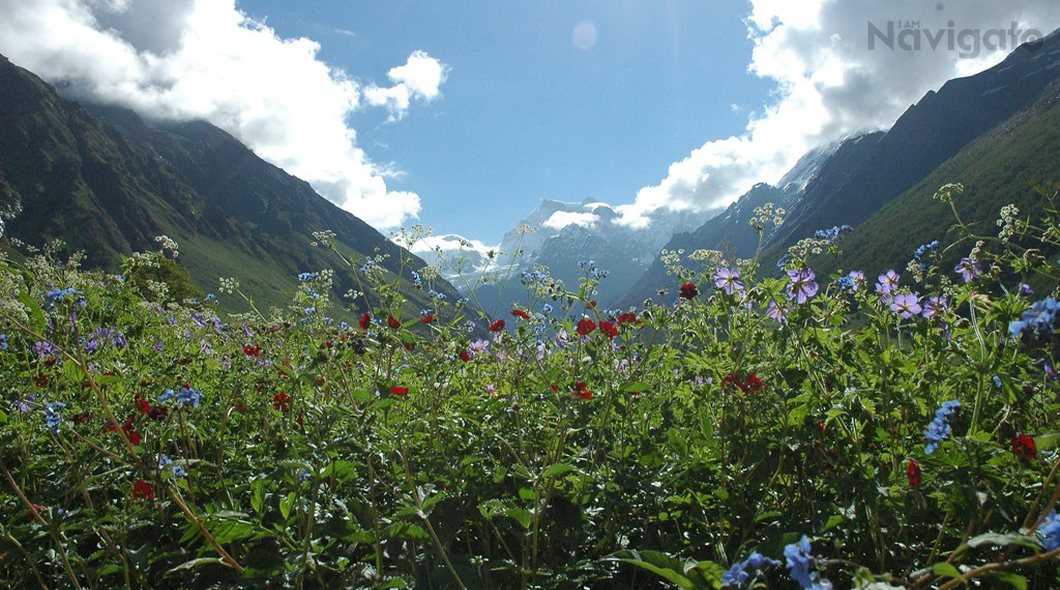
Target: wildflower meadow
[752,426]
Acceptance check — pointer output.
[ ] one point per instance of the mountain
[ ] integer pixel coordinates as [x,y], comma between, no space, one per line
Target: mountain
[1014,163]
[849,182]
[561,236]
[106,182]
[730,232]
[881,166]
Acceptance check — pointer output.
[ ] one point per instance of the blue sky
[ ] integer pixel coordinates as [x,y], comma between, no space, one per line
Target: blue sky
[464,115]
[524,113]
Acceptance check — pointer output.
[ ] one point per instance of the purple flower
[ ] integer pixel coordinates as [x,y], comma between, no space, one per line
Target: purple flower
[728,280]
[934,305]
[1025,290]
[886,283]
[802,285]
[906,305]
[857,280]
[778,311]
[968,269]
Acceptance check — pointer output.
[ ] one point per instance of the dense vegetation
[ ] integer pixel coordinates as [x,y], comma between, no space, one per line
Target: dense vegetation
[751,432]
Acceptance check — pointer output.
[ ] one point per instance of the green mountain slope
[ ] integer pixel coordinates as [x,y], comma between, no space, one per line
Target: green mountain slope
[106,183]
[1004,166]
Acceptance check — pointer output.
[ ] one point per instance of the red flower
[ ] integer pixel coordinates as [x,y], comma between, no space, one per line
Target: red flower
[586,326]
[913,473]
[608,329]
[464,355]
[1023,446]
[427,318]
[394,389]
[520,314]
[689,291]
[81,419]
[752,384]
[497,326]
[555,388]
[365,322]
[628,318]
[281,401]
[254,351]
[40,380]
[130,432]
[393,322]
[37,508]
[581,390]
[731,380]
[141,404]
[591,304]
[158,413]
[143,490]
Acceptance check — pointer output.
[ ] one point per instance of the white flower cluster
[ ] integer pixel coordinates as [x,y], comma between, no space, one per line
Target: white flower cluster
[1008,221]
[767,213]
[946,191]
[228,285]
[168,246]
[322,238]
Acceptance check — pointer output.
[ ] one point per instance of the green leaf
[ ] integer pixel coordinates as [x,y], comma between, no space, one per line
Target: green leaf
[1001,540]
[948,570]
[285,505]
[257,500]
[658,563]
[635,387]
[1015,580]
[36,314]
[557,470]
[195,563]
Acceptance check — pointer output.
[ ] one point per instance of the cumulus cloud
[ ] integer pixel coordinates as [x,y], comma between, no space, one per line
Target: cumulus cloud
[420,77]
[561,219]
[204,59]
[829,85]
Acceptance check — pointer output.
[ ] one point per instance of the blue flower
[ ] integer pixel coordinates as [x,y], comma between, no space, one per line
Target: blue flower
[1049,531]
[800,560]
[307,276]
[52,416]
[1040,318]
[832,234]
[741,572]
[56,295]
[997,382]
[3,341]
[929,249]
[177,470]
[939,429]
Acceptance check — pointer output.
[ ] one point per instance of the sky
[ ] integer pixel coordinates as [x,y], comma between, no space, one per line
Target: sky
[464,115]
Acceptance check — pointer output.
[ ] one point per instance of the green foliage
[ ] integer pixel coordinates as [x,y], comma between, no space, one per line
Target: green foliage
[154,443]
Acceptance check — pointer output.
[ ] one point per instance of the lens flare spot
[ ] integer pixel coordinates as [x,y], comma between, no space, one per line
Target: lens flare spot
[584,35]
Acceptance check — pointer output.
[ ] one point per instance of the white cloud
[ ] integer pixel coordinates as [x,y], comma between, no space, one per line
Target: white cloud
[420,77]
[829,85]
[561,219]
[204,59]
